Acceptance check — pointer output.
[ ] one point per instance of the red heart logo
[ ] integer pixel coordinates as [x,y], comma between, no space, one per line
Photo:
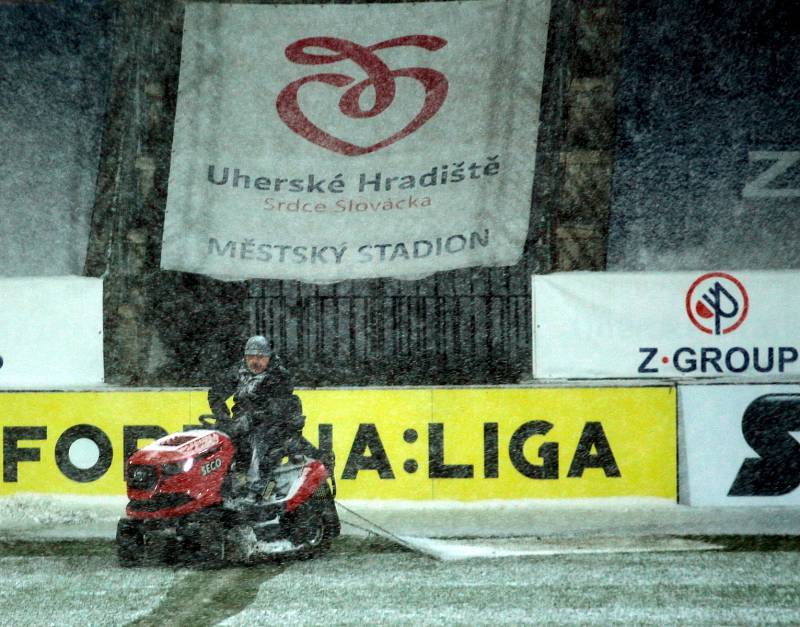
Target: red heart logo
[379,76]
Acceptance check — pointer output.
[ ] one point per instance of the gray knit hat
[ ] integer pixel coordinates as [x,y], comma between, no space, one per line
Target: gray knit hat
[257,345]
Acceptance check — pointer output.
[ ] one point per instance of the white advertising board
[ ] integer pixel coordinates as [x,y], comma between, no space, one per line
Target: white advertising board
[331,142]
[739,444]
[666,325]
[51,332]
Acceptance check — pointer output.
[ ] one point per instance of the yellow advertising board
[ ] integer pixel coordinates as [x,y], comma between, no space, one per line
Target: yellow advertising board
[75,442]
[417,444]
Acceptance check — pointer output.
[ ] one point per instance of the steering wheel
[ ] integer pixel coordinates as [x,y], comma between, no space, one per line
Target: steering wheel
[208,420]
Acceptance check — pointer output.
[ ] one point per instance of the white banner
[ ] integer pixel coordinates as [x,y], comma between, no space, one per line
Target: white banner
[739,444]
[51,333]
[330,142]
[666,325]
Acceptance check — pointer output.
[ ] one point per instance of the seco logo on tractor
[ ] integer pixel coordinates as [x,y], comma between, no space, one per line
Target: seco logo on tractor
[209,467]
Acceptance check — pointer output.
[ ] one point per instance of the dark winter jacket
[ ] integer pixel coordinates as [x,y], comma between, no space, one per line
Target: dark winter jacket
[267,415]
[251,392]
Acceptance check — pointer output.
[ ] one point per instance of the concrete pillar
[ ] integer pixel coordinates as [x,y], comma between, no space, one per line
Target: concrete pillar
[581,224]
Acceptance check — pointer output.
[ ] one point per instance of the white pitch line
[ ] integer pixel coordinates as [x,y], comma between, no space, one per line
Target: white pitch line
[448,550]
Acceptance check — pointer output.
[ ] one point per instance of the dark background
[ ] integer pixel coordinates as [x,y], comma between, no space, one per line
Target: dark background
[701,84]
[55,68]
[648,112]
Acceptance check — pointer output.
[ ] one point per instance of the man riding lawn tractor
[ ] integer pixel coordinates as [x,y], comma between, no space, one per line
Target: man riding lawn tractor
[246,487]
[267,419]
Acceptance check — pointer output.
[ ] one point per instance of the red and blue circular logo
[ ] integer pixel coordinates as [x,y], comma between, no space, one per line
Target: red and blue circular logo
[717,303]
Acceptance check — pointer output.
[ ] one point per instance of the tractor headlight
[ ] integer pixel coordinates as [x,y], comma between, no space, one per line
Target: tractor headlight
[177,468]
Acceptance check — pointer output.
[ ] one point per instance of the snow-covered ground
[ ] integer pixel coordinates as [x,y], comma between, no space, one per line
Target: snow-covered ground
[585,562]
[371,581]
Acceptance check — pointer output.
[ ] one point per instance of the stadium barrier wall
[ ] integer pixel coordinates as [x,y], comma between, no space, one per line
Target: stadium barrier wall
[726,340]
[419,444]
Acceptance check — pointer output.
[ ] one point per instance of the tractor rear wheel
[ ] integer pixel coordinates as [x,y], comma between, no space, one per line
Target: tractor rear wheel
[311,527]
